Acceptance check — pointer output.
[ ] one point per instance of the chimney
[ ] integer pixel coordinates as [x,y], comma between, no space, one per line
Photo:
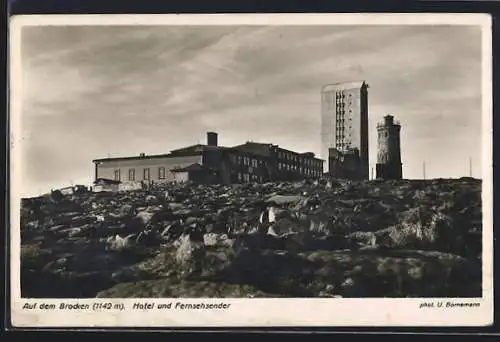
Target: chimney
[211,139]
[142,154]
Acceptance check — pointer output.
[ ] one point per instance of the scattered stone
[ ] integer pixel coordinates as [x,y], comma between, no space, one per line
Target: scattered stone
[328,238]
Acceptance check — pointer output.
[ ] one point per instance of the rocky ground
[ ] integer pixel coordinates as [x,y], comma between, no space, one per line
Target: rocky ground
[327,239]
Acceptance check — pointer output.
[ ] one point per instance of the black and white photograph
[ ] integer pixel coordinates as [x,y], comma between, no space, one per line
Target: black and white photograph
[240,158]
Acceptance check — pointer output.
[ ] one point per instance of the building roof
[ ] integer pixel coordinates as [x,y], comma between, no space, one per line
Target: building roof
[265,149]
[254,147]
[250,147]
[191,148]
[307,154]
[388,121]
[344,85]
[190,168]
[152,156]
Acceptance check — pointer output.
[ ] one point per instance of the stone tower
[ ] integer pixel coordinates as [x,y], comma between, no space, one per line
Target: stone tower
[389,149]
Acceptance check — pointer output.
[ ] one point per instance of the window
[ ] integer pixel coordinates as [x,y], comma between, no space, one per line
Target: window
[131,174]
[146,174]
[117,174]
[161,173]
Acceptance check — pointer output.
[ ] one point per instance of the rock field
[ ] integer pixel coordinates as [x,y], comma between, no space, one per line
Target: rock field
[409,238]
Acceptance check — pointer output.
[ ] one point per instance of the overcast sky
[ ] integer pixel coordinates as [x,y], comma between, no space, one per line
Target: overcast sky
[90,92]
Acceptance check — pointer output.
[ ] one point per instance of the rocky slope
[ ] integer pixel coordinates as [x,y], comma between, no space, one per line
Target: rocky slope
[327,239]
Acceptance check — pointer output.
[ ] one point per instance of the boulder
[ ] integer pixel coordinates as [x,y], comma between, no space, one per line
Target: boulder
[294,239]
[127,210]
[212,239]
[284,199]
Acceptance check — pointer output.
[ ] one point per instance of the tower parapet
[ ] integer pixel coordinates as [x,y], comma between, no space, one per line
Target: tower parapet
[389,164]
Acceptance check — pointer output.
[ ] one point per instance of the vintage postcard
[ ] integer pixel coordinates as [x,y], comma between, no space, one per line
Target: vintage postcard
[251,170]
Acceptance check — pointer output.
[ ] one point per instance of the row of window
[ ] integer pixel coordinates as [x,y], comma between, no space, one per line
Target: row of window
[294,158]
[286,156]
[341,103]
[341,95]
[246,161]
[299,169]
[247,177]
[341,111]
[145,174]
[341,127]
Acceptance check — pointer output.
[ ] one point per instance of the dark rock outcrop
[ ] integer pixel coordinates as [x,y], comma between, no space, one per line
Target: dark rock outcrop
[329,238]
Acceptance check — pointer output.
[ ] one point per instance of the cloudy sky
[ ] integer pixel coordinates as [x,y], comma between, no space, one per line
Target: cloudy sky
[91,92]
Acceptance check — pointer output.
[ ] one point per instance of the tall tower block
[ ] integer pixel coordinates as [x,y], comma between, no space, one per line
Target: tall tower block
[344,121]
[389,149]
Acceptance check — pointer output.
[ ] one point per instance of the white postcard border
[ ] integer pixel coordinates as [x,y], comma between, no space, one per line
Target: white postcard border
[256,311]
